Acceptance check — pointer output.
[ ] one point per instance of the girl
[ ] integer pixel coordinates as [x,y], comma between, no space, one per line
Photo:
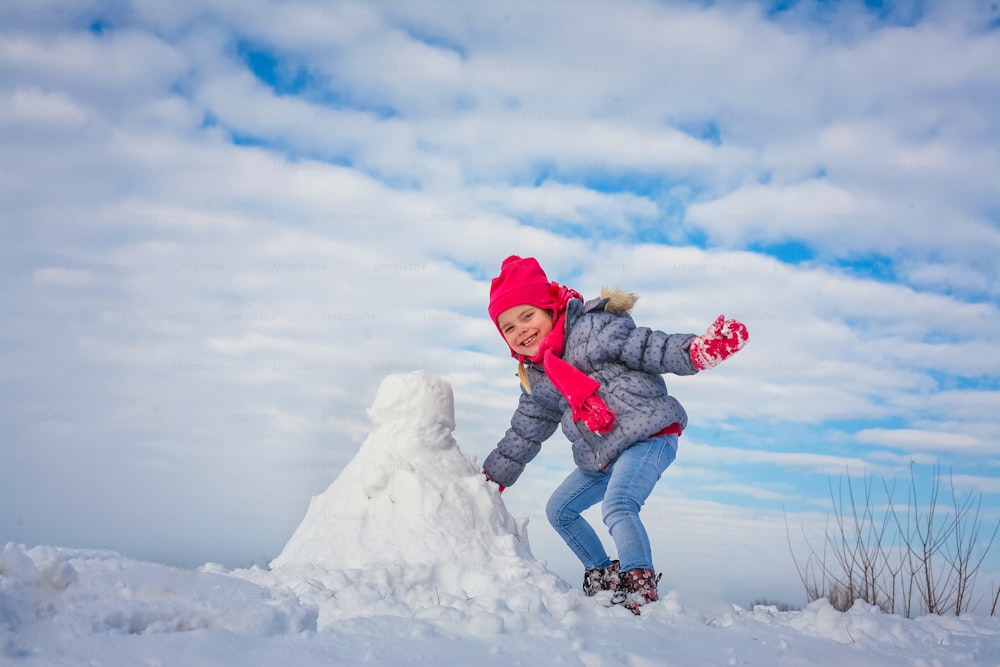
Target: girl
[588,367]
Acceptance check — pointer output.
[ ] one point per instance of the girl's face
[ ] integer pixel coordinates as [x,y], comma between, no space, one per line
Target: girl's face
[524,328]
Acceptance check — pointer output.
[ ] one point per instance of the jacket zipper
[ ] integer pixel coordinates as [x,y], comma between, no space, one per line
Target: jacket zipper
[586,440]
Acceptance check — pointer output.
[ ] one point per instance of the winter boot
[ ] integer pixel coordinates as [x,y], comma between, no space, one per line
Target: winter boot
[640,588]
[602,579]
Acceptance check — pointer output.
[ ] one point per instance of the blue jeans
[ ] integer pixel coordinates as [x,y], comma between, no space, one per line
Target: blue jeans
[623,487]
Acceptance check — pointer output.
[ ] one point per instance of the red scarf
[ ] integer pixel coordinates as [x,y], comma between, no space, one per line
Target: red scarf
[578,388]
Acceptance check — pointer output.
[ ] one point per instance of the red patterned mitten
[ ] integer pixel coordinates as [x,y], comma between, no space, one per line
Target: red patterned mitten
[720,341]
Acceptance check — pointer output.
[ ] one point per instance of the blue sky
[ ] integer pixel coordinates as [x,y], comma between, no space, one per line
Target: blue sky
[226,223]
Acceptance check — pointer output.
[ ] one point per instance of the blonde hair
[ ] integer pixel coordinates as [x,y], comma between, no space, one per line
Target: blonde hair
[522,373]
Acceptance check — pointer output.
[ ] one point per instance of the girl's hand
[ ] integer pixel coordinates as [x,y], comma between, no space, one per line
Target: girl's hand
[490,480]
[720,341]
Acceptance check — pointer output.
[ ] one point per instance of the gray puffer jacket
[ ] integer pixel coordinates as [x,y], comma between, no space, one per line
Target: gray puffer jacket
[603,341]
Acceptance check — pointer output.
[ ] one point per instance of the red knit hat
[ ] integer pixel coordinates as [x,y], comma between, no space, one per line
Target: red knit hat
[521,281]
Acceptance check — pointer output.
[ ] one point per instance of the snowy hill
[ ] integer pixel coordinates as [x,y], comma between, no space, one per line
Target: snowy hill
[410,557]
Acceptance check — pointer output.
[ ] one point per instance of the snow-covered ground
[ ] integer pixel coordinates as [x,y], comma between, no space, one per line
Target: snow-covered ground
[410,557]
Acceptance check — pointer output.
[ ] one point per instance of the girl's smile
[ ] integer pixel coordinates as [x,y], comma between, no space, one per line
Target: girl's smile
[524,328]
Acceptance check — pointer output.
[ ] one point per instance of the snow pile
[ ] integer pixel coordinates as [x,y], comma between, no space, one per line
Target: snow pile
[863,625]
[409,495]
[411,526]
[76,593]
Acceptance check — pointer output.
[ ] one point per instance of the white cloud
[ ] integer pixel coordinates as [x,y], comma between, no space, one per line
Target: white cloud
[46,108]
[824,464]
[965,484]
[122,68]
[62,277]
[979,279]
[913,439]
[576,205]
